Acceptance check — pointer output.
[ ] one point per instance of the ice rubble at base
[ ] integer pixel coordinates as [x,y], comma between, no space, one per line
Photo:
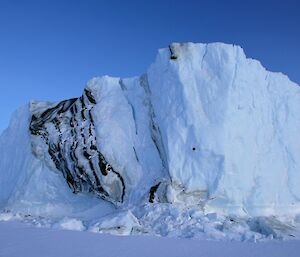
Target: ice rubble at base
[214,130]
[172,221]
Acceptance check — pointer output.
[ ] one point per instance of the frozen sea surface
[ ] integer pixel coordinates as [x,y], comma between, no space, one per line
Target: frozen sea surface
[20,240]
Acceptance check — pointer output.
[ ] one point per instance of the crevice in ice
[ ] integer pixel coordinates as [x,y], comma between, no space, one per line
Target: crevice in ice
[134,117]
[154,128]
[124,88]
[235,68]
[122,85]
[204,55]
[152,192]
[173,56]
[135,154]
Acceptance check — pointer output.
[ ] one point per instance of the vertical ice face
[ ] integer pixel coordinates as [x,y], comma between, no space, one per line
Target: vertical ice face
[189,95]
[229,128]
[203,126]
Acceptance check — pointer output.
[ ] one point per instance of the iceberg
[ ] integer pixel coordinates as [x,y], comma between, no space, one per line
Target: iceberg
[204,127]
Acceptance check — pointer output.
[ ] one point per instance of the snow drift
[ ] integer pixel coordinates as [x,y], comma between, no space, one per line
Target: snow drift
[203,127]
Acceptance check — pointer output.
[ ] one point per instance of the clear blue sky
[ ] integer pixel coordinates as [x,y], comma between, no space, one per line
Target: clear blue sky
[50,48]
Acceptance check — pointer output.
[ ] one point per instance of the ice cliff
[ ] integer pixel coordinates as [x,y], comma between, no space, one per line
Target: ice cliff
[204,126]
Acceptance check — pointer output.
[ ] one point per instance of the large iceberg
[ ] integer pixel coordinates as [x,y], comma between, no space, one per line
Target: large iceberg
[203,127]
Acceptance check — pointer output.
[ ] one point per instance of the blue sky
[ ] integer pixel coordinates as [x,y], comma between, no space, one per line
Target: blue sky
[49,49]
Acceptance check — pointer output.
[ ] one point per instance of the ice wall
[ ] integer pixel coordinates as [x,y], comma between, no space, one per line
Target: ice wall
[203,126]
[230,128]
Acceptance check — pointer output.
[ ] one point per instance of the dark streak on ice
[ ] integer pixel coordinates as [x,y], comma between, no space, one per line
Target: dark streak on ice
[77,158]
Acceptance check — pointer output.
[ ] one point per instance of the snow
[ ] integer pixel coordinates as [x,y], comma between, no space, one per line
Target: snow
[209,136]
[121,224]
[19,240]
[71,224]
